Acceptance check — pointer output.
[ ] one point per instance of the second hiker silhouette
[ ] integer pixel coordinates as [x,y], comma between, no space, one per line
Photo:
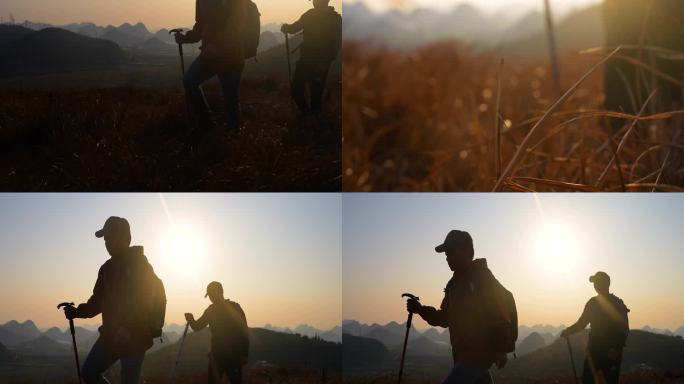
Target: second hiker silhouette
[229,335]
[479,312]
[132,302]
[322,29]
[607,315]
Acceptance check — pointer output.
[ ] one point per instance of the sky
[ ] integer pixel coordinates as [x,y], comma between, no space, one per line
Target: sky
[494,6]
[278,255]
[541,247]
[155,14]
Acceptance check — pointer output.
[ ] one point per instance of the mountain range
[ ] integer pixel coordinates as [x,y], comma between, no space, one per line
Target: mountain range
[540,353]
[522,36]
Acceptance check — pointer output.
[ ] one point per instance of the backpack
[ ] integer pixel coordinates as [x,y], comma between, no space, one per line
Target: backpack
[158,308]
[252,32]
[500,317]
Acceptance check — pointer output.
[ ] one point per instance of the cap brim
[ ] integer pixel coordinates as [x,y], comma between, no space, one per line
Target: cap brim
[440,248]
[100,233]
[206,294]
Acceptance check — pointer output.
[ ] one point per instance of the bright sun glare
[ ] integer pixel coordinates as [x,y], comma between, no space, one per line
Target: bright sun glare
[555,249]
[182,250]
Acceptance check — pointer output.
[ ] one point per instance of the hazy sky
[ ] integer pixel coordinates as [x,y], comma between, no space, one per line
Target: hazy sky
[516,6]
[389,240]
[155,14]
[278,255]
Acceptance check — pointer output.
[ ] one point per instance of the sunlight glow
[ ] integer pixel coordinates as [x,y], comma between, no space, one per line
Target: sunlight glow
[555,249]
[183,251]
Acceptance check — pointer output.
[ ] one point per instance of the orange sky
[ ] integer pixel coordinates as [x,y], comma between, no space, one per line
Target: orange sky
[156,14]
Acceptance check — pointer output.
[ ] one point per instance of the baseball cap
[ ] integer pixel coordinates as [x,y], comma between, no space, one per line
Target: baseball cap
[114,225]
[214,286]
[600,277]
[455,239]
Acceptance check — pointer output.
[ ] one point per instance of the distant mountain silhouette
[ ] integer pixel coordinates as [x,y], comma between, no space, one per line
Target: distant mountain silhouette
[333,335]
[155,46]
[656,351]
[530,344]
[43,346]
[54,48]
[524,36]
[267,41]
[13,333]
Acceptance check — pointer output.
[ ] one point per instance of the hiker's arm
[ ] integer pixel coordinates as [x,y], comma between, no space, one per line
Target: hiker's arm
[434,316]
[93,306]
[581,323]
[294,27]
[195,34]
[199,324]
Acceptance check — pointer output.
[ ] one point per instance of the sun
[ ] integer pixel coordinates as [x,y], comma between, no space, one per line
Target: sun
[182,250]
[555,248]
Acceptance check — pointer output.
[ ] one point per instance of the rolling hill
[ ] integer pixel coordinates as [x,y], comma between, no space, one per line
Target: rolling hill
[643,348]
[265,346]
[59,49]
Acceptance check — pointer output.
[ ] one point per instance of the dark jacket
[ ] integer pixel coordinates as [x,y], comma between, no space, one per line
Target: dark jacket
[124,297]
[322,34]
[467,310]
[220,25]
[229,332]
[609,322]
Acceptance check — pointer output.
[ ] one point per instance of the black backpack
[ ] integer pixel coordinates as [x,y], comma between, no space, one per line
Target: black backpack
[252,32]
[158,309]
[500,317]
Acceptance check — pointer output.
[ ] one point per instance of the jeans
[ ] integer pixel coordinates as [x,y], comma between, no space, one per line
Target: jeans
[469,374]
[313,74]
[198,73]
[99,360]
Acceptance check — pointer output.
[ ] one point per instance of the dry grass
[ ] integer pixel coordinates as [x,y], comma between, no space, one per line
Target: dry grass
[128,139]
[425,121]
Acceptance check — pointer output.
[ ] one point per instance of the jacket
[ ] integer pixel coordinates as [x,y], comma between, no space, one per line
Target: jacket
[123,295]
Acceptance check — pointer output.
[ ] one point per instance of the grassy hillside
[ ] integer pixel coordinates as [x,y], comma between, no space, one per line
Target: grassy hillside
[120,139]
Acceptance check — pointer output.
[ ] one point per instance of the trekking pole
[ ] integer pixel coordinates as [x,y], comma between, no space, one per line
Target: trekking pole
[172,378]
[182,60]
[73,339]
[572,360]
[408,329]
[180,49]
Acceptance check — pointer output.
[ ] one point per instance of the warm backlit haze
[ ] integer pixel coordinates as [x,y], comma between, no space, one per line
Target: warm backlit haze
[496,6]
[156,14]
[541,247]
[278,255]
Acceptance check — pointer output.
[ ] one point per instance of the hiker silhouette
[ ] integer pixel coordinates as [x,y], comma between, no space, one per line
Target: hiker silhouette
[322,34]
[479,312]
[132,302]
[226,31]
[229,335]
[607,315]
[648,23]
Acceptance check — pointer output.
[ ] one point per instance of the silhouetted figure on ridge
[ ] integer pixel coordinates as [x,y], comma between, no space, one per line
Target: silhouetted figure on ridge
[479,312]
[132,302]
[607,315]
[229,335]
[221,27]
[322,28]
